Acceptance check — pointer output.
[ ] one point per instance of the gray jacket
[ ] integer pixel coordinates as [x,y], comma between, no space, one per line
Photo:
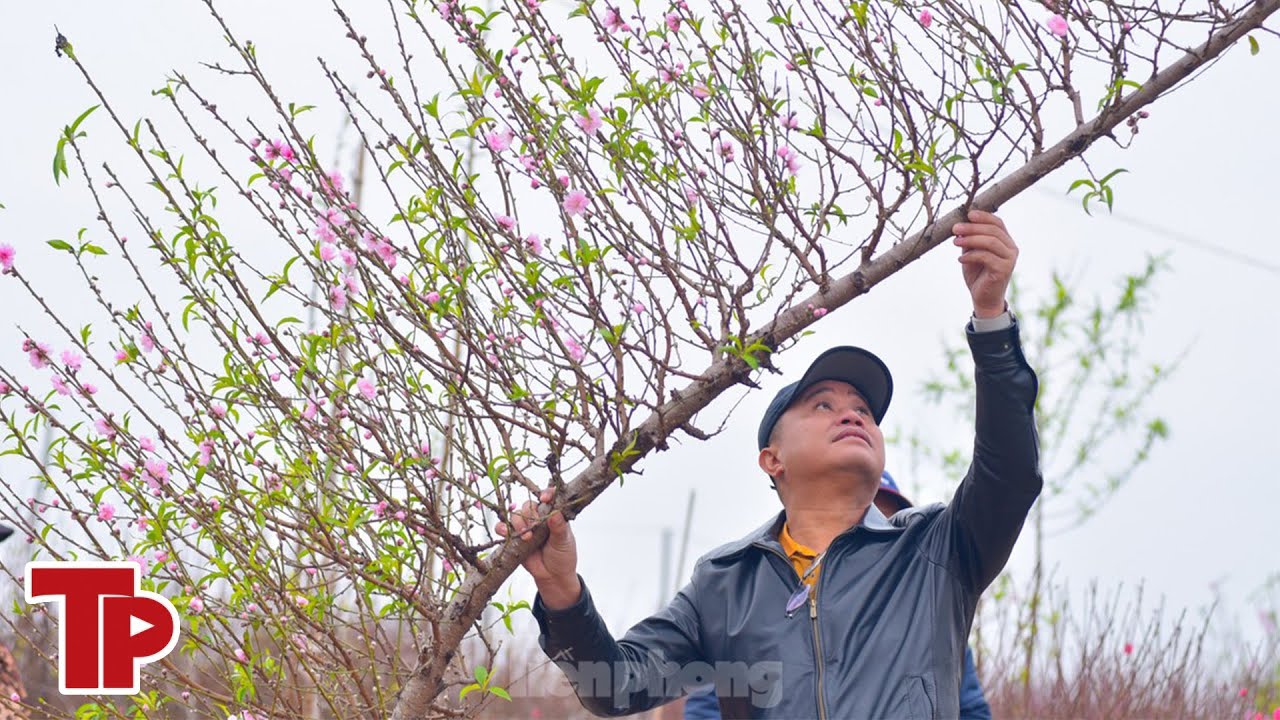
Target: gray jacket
[886,631]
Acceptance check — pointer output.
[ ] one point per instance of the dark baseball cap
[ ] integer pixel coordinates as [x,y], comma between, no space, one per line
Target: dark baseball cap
[864,371]
[889,487]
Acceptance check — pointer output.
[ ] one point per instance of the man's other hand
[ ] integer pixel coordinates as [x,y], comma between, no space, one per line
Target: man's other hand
[554,565]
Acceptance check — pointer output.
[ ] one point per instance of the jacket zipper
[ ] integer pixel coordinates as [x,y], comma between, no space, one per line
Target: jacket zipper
[813,618]
[817,647]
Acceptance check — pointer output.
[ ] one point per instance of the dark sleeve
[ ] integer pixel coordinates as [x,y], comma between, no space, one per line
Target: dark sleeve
[620,677]
[1003,481]
[973,703]
[702,704]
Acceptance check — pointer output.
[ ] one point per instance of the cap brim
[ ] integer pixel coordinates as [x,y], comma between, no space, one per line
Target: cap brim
[865,372]
[896,496]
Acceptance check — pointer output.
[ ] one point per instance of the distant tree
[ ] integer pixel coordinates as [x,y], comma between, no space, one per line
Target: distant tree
[1092,412]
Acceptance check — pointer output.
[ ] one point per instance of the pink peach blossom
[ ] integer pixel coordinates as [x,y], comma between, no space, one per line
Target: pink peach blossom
[591,122]
[1057,25]
[338,298]
[37,353]
[104,428]
[499,141]
[613,21]
[367,388]
[59,385]
[576,202]
[158,469]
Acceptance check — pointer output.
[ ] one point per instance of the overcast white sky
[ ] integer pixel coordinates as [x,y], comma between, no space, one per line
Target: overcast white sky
[1202,177]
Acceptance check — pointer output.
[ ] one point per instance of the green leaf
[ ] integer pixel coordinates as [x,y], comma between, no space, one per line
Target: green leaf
[1253,45]
[72,130]
[860,12]
[59,162]
[1086,183]
[186,314]
[500,693]
[61,245]
[482,675]
[1110,175]
[93,249]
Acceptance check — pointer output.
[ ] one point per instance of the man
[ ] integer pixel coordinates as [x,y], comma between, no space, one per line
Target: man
[874,626]
[703,705]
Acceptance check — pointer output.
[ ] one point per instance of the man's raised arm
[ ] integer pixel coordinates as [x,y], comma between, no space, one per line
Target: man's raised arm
[1004,479]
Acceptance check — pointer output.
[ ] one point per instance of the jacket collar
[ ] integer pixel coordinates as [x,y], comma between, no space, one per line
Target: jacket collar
[766,536]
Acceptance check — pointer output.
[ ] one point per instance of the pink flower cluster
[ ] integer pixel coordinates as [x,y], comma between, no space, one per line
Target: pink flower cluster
[576,202]
[791,158]
[1057,25]
[613,21]
[499,141]
[278,149]
[591,122]
[37,352]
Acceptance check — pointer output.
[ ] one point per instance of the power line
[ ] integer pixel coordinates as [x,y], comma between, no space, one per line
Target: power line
[1179,236]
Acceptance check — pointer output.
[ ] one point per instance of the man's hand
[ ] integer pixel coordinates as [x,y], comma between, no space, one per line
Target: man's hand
[554,566]
[988,255]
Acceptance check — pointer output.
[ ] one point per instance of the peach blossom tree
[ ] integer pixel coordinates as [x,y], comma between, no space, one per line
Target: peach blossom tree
[303,417]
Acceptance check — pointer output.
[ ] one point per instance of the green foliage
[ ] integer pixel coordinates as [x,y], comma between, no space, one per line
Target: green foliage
[1091,412]
[482,684]
[1099,189]
[69,136]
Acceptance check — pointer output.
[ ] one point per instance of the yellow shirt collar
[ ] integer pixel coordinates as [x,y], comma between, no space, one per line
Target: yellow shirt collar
[793,548]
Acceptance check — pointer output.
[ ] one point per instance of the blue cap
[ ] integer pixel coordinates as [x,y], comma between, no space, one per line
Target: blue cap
[889,487]
[865,372]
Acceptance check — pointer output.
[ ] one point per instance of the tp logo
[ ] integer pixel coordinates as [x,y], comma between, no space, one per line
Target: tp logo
[110,627]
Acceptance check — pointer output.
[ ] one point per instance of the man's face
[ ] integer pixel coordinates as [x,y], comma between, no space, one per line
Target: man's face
[828,430]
